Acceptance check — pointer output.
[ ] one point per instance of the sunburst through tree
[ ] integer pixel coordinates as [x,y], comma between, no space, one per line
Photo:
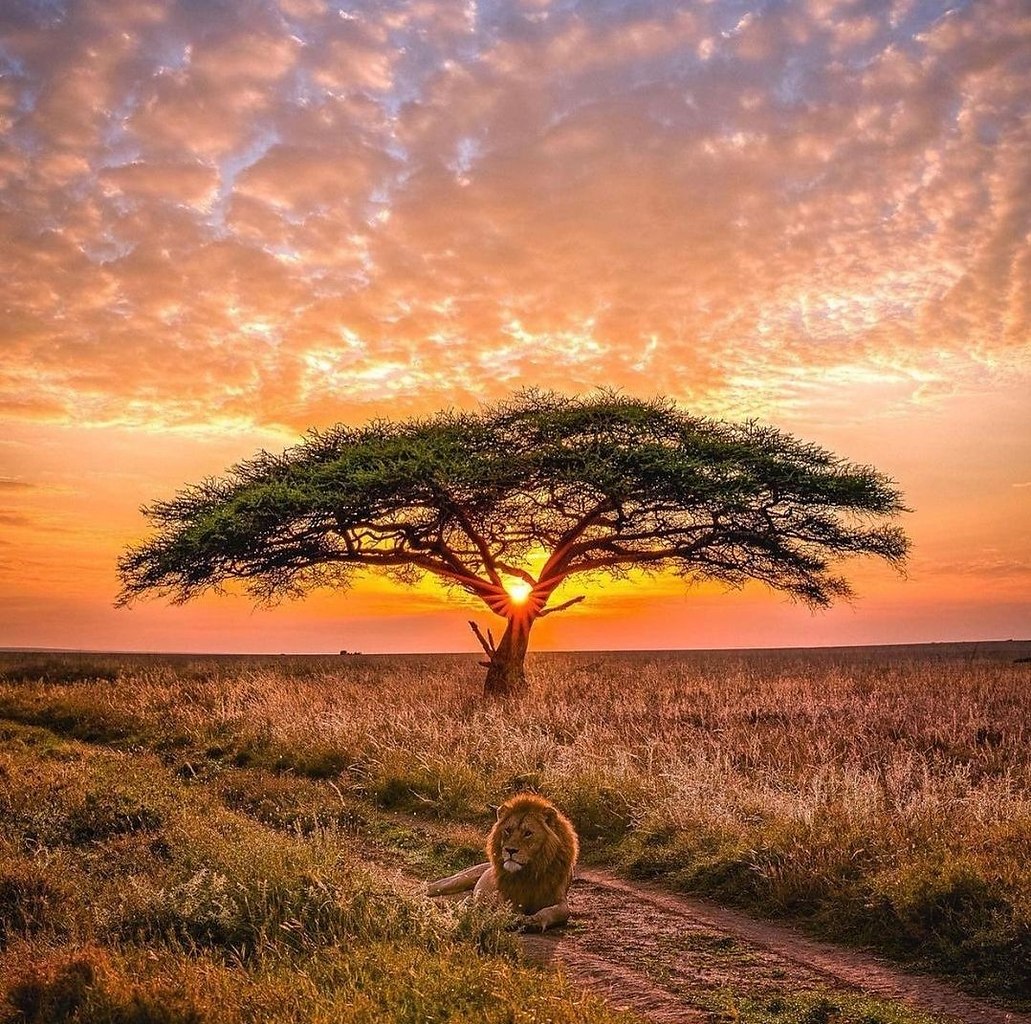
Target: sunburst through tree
[602,484]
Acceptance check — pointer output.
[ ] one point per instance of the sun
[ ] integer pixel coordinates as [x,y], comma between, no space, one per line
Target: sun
[518,590]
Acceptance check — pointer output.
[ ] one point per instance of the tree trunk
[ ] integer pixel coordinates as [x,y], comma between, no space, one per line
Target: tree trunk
[505,673]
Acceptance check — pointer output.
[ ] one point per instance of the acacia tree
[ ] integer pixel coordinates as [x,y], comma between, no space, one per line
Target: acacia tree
[602,484]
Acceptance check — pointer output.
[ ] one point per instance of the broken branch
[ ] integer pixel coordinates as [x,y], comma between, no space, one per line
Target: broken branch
[488,647]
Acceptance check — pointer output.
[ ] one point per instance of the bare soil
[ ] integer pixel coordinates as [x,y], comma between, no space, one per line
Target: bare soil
[658,953]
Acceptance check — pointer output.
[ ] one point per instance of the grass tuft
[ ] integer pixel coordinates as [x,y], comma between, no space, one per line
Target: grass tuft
[31,899]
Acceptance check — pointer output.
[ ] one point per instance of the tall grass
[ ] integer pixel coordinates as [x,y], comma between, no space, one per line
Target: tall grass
[173,909]
[886,799]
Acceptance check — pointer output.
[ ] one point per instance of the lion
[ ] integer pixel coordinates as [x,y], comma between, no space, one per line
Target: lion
[531,850]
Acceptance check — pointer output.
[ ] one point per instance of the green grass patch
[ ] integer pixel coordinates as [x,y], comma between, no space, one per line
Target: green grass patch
[73,714]
[814,1008]
[131,896]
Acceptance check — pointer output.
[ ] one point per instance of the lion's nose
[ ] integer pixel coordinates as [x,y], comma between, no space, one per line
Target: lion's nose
[510,851]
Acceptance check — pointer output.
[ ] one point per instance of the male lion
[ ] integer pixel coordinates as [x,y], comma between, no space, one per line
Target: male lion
[531,852]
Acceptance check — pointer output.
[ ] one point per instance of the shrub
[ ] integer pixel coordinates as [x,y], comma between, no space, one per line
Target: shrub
[71,669]
[83,989]
[54,995]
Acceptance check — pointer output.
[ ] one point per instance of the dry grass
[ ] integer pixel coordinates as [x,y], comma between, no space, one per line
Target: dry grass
[885,798]
[128,896]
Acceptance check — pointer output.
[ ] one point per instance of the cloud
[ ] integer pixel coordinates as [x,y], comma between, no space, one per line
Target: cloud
[180,183]
[985,566]
[285,214]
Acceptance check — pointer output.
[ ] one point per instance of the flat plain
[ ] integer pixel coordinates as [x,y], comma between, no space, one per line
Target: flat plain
[198,838]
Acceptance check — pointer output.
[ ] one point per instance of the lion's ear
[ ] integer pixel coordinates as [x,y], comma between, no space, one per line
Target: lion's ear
[550,815]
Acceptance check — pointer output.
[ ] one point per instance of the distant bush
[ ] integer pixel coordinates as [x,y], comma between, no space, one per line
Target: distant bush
[68,712]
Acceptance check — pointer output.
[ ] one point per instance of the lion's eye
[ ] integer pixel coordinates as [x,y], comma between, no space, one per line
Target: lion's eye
[527,833]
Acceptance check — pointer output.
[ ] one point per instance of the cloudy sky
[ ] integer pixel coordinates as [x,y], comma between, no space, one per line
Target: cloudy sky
[224,222]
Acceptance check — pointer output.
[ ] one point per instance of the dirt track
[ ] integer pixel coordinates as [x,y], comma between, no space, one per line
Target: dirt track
[658,953]
[654,952]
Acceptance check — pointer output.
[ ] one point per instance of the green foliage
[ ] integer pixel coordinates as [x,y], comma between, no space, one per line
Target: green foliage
[602,483]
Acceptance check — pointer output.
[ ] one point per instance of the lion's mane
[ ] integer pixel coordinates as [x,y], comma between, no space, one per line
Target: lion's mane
[545,879]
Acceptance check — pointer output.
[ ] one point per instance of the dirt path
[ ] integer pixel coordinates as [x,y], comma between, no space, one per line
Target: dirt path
[656,953]
[665,956]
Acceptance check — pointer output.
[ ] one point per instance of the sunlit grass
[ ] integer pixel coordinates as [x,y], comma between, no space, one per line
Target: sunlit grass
[130,894]
[886,801]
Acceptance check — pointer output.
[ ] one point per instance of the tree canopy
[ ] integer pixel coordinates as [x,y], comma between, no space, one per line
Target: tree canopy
[602,483]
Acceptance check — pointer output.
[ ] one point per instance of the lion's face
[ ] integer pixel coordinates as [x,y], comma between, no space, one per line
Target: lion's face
[532,849]
[520,838]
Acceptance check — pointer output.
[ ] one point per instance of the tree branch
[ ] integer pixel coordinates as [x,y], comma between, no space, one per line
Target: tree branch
[569,537]
[561,607]
[463,577]
[622,556]
[471,532]
[669,533]
[450,567]
[514,570]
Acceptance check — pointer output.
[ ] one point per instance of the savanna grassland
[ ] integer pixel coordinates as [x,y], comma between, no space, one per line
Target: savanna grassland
[211,839]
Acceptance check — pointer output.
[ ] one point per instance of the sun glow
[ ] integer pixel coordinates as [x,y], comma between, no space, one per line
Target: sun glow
[518,590]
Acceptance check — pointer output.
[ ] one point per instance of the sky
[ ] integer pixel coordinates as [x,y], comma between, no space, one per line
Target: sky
[222,223]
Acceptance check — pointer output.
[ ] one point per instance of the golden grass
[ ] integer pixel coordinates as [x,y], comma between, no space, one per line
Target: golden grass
[172,909]
[886,798]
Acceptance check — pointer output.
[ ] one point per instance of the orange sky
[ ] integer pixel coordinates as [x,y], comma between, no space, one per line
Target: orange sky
[222,224]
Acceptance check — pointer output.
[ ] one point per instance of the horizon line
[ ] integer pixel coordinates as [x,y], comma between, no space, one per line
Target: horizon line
[471,654]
